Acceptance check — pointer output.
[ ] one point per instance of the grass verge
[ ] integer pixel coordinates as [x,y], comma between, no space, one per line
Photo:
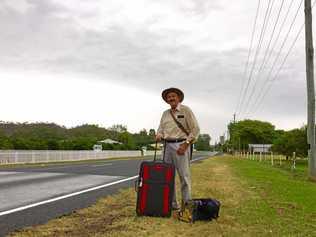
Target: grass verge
[257,200]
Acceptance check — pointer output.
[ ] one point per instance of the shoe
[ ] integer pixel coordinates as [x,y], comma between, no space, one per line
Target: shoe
[186,213]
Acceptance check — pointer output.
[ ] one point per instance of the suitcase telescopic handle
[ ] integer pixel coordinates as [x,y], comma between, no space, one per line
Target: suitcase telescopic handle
[164,151]
[138,183]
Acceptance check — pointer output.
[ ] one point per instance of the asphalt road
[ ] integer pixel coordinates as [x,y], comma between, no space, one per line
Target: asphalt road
[34,195]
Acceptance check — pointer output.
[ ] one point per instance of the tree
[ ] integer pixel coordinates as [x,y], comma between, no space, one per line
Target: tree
[127,139]
[118,128]
[53,137]
[203,142]
[83,143]
[247,132]
[291,141]
[152,132]
[143,138]
[5,142]
[143,132]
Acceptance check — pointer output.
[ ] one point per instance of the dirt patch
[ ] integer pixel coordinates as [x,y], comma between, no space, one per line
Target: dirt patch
[280,211]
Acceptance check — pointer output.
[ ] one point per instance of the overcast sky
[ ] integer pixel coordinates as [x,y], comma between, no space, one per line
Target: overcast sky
[106,62]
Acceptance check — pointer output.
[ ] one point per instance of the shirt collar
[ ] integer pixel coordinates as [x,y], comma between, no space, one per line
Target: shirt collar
[178,107]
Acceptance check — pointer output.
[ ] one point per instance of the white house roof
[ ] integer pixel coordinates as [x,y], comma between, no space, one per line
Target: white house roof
[109,141]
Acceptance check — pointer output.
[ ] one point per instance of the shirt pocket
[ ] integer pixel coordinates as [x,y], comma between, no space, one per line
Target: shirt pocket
[181,118]
[168,122]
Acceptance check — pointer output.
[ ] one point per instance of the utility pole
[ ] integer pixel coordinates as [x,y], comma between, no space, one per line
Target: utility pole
[309,51]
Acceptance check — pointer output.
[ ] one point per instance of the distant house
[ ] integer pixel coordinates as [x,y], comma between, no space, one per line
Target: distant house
[257,148]
[98,147]
[109,141]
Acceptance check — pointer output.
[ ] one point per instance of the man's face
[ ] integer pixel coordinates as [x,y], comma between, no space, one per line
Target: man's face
[173,99]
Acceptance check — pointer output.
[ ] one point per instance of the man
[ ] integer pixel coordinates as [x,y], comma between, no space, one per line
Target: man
[179,128]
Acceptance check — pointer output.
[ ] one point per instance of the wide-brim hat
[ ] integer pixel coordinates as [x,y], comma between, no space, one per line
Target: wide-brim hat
[172,89]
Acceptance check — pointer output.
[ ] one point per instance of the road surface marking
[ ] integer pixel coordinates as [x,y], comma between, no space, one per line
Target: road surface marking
[73,194]
[101,165]
[65,196]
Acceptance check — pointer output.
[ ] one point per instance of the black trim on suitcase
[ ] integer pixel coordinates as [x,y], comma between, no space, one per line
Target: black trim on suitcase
[155,187]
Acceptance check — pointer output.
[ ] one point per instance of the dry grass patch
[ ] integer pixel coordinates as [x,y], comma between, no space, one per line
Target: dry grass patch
[115,215]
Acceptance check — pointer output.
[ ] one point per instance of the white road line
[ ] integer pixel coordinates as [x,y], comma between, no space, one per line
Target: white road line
[55,167]
[101,165]
[65,196]
[71,194]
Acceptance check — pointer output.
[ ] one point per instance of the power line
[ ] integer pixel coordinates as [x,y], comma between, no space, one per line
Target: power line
[277,73]
[279,52]
[283,62]
[280,30]
[256,55]
[264,58]
[247,63]
[279,33]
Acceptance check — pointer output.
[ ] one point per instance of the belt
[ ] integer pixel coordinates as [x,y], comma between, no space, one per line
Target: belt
[175,140]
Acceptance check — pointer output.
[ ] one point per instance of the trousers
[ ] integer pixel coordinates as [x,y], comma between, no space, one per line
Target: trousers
[182,165]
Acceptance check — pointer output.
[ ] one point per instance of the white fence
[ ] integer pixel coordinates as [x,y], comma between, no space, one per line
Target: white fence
[39,156]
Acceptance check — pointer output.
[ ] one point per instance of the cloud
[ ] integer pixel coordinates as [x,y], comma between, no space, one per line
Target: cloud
[199,46]
[17,6]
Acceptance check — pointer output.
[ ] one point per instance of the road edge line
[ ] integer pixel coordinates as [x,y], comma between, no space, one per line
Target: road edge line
[75,193]
[66,196]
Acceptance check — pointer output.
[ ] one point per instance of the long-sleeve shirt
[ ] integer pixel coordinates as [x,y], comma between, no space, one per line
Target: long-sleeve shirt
[168,128]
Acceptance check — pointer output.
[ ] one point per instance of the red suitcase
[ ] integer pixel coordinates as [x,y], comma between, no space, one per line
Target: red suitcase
[155,186]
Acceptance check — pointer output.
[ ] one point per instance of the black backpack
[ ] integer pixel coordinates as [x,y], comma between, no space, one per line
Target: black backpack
[204,209]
